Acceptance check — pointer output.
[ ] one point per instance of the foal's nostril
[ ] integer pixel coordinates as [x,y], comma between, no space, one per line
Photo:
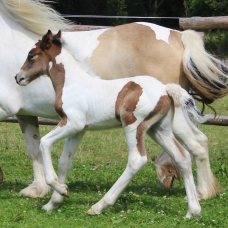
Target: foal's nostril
[16,79]
[21,79]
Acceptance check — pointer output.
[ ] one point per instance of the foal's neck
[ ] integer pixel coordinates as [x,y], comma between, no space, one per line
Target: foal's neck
[57,75]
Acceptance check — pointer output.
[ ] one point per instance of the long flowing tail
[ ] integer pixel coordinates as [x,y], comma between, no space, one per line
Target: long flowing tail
[183,99]
[201,68]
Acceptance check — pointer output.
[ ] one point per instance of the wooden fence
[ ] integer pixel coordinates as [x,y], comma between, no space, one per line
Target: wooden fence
[203,23]
[218,120]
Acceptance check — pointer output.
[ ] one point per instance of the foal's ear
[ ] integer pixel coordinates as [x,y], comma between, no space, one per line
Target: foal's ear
[58,35]
[46,41]
[57,38]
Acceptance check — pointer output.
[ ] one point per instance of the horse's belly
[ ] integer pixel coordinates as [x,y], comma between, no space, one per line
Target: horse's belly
[102,125]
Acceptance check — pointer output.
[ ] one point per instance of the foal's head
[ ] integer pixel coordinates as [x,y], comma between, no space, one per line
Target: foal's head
[40,58]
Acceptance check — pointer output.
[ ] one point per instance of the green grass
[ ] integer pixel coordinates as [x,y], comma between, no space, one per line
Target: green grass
[98,163]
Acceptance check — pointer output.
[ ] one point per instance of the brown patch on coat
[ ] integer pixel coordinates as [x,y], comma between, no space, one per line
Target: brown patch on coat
[57,74]
[177,45]
[179,146]
[159,111]
[126,102]
[33,68]
[133,49]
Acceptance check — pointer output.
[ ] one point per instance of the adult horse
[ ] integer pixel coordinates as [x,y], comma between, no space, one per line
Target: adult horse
[122,51]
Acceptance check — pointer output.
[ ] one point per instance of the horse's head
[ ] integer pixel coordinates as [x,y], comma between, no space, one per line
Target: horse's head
[40,58]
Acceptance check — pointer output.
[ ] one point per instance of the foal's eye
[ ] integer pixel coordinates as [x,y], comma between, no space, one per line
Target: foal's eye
[30,57]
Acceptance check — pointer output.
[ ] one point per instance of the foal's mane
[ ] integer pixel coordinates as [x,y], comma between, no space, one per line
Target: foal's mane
[35,15]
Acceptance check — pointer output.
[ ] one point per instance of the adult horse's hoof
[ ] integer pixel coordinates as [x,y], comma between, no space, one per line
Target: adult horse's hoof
[35,190]
[193,213]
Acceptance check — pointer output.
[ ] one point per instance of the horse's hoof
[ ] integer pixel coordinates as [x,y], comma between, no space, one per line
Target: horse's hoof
[66,193]
[91,212]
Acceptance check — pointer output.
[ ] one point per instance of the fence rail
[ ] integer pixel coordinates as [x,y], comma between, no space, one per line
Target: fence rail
[203,23]
[218,120]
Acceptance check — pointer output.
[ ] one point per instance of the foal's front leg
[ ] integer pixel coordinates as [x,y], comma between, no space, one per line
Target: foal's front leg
[65,163]
[46,144]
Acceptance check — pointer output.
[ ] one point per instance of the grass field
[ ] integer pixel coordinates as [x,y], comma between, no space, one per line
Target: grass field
[98,163]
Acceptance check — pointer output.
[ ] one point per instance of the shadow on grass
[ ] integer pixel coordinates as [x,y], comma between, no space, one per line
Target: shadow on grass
[137,188]
[84,195]
[152,201]
[92,187]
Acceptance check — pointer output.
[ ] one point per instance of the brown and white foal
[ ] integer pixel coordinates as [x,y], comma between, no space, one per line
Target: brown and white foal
[139,105]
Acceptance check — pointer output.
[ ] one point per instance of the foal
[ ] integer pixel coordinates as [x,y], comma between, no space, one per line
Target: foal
[139,104]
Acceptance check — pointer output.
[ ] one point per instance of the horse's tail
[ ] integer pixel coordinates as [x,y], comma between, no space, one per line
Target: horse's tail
[182,99]
[201,68]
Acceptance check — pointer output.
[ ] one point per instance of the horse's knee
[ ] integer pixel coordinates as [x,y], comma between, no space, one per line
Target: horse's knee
[184,164]
[135,163]
[200,148]
[50,179]
[202,140]
[44,144]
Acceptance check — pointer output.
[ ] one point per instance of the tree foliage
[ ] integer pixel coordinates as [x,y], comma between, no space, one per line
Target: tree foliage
[206,8]
[156,8]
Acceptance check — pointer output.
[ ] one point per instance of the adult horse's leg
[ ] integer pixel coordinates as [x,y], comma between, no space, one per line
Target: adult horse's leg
[163,135]
[65,163]
[30,129]
[197,144]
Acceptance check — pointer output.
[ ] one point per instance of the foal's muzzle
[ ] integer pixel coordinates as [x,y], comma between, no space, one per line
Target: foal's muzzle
[21,79]
[16,79]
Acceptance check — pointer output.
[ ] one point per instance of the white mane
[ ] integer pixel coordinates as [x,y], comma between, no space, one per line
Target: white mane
[35,15]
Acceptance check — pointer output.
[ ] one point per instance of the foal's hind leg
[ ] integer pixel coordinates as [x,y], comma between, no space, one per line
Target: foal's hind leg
[162,134]
[65,163]
[136,160]
[197,144]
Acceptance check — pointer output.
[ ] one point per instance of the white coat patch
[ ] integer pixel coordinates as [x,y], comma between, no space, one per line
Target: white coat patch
[162,33]
[50,65]
[86,41]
